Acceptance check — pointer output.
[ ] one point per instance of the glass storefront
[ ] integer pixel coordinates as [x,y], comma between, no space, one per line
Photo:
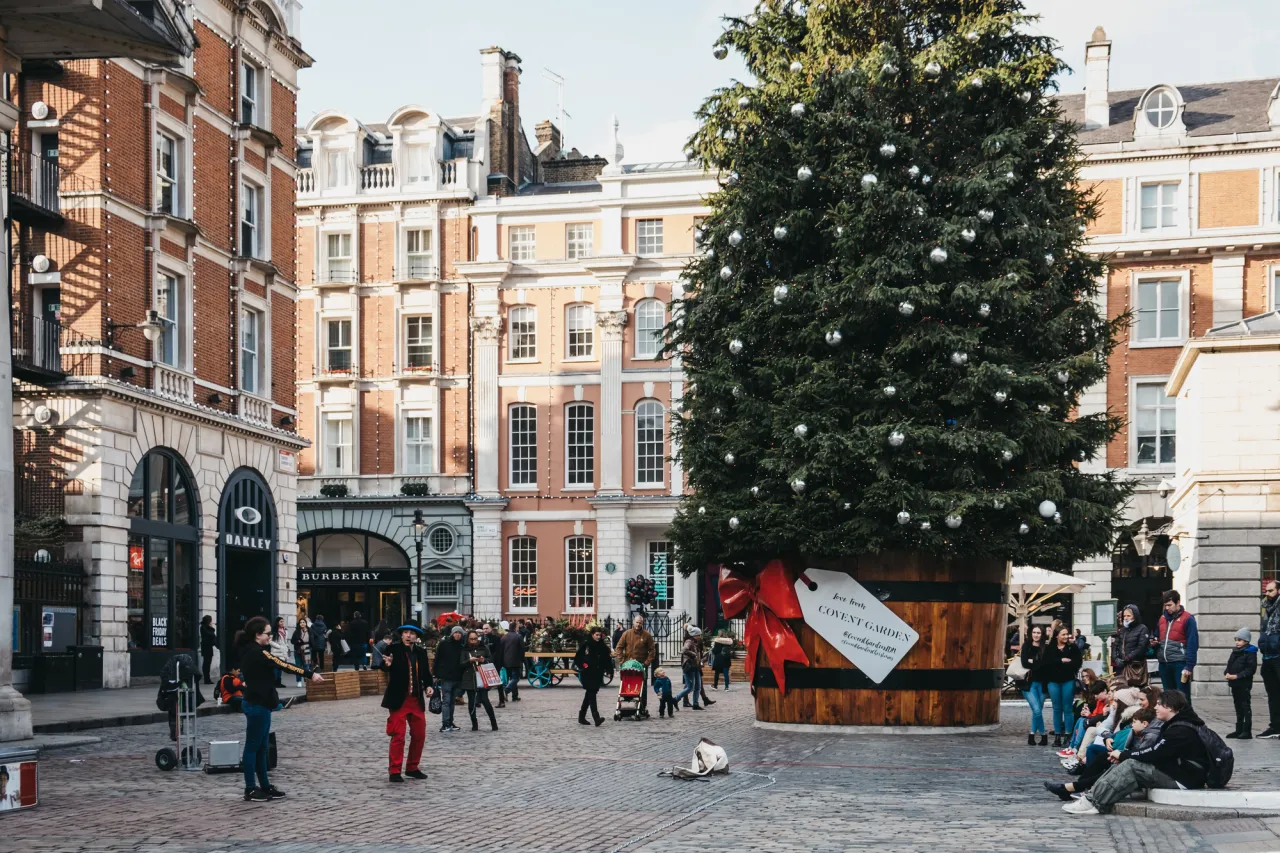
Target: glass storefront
[340,573]
[162,556]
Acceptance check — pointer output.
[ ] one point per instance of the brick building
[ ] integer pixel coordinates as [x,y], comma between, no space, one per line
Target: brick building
[154,300]
[1189,182]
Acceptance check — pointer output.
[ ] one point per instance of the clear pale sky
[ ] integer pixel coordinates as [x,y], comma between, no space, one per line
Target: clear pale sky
[650,63]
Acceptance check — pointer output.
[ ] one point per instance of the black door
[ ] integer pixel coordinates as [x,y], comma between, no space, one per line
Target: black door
[248,590]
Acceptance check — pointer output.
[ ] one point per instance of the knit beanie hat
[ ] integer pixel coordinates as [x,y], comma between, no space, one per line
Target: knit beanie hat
[1244,634]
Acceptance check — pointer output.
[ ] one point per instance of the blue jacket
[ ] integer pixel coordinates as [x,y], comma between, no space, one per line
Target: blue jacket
[662,686]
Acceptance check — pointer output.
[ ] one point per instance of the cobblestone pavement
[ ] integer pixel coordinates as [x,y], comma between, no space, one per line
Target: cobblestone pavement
[544,784]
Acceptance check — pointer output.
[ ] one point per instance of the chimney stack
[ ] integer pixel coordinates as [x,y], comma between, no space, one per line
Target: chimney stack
[1097,81]
[549,140]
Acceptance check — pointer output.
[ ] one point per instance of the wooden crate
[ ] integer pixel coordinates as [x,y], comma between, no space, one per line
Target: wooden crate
[336,685]
[373,682]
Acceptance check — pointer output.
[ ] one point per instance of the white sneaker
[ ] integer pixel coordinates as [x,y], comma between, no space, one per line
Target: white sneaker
[1070,763]
[1081,806]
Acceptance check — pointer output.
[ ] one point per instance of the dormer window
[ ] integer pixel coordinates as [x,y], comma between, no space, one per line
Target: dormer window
[1161,109]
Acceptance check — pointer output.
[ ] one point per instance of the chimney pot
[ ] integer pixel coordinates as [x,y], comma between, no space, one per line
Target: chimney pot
[1097,81]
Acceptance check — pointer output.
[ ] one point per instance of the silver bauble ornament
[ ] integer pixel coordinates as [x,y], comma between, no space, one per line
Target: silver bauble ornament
[904,517]
[938,255]
[969,235]
[779,232]
[1047,509]
[933,69]
[1001,396]
[906,309]
[801,431]
[717,411]
[1044,408]
[780,294]
[1057,518]
[731,179]
[797,110]
[953,521]
[1025,97]
[729,459]
[986,214]
[1063,377]
[733,522]
[702,510]
[710,253]
[1011,276]
[726,273]
[720,51]
[730,135]
[869,180]
[984,310]
[926,179]
[976,82]
[889,69]
[797,66]
[959,359]
[924,525]
[755,491]
[804,173]
[735,346]
[913,172]
[737,392]
[890,391]
[834,338]
[997,504]
[896,438]
[888,149]
[699,235]
[744,101]
[972,36]
[839,230]
[996,146]
[919,210]
[848,505]
[1023,528]
[735,238]
[1048,259]
[1006,455]
[797,486]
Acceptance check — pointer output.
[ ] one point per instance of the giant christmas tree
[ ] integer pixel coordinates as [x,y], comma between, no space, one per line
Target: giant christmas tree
[893,317]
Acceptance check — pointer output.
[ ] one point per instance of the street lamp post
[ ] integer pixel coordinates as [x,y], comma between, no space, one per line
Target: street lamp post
[419,532]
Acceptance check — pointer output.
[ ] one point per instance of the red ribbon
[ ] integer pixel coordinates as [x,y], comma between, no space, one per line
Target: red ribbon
[768,598]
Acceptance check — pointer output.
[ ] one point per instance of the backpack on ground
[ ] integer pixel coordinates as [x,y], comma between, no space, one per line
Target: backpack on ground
[1222,761]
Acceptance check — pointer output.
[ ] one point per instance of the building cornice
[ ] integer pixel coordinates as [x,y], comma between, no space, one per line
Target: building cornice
[1192,349]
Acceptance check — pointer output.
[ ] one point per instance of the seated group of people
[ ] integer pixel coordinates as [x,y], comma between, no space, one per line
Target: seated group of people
[1127,738]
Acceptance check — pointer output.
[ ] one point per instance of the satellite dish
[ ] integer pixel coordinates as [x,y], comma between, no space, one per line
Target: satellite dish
[1173,556]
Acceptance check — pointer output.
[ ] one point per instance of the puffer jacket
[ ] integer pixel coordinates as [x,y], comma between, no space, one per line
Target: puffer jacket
[1130,643]
[1269,640]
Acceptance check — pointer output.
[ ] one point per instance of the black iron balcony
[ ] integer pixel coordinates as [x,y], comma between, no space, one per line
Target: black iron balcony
[43,351]
[33,188]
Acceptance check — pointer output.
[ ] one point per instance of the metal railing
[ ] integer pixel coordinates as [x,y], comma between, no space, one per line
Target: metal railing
[35,180]
[43,349]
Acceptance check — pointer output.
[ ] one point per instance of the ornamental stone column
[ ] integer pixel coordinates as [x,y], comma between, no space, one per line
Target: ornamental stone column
[484,333]
[612,324]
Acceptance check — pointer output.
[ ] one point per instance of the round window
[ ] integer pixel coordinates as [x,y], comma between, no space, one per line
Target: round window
[441,540]
[1162,108]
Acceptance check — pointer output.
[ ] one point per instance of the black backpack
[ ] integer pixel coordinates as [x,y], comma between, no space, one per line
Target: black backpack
[1222,761]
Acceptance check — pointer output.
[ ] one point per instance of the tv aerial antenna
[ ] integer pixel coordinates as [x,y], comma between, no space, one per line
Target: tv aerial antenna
[561,114]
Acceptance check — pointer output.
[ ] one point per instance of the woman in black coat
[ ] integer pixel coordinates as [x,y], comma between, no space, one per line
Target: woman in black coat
[1129,645]
[593,662]
[208,642]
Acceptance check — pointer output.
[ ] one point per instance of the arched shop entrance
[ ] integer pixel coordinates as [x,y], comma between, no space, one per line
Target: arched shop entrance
[1140,571]
[164,532]
[340,572]
[246,553]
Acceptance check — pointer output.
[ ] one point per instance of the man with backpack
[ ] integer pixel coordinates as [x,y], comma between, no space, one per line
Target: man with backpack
[1269,645]
[1187,754]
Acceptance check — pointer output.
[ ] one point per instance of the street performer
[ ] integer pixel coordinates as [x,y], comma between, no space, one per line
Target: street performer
[408,685]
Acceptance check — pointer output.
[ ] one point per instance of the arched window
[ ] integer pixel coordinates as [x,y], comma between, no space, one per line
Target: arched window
[580,571]
[650,444]
[523,572]
[580,444]
[1161,108]
[651,316]
[163,536]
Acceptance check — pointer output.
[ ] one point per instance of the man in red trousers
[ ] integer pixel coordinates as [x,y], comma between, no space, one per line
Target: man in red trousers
[408,685]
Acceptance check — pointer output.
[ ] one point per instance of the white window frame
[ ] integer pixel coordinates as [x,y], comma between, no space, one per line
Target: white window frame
[662,461]
[415,269]
[327,347]
[252,204]
[429,343]
[1273,282]
[1148,104]
[569,446]
[417,151]
[1183,277]
[531,543]
[252,93]
[641,331]
[330,466]
[172,179]
[1177,189]
[518,342]
[255,354]
[326,259]
[524,249]
[579,240]
[652,244]
[572,544]
[672,576]
[339,168]
[179,317]
[423,441]
[1162,467]
[574,316]
[522,484]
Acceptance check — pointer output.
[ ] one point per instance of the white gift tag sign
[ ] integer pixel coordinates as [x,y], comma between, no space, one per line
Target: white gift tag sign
[855,622]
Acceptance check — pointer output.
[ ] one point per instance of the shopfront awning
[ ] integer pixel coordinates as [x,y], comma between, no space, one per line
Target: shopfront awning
[151,30]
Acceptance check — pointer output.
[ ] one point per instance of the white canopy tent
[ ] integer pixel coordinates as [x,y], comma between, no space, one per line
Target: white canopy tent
[1030,589]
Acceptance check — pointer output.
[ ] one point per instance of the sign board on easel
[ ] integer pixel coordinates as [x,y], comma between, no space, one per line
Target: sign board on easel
[855,622]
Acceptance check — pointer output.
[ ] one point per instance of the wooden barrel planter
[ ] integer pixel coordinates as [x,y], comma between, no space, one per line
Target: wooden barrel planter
[950,678]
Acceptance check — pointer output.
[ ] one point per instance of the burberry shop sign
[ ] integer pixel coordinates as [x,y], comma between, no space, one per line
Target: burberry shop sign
[377,576]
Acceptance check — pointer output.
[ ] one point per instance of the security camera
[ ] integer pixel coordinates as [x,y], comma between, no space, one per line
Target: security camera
[1165,488]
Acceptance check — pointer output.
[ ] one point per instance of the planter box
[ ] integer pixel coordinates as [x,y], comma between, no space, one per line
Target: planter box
[373,682]
[336,685]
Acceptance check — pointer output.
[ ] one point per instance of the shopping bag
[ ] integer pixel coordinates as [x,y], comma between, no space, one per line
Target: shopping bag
[346,650]
[436,703]
[489,675]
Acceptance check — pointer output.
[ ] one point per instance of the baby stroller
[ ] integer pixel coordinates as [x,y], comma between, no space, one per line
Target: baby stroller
[629,691]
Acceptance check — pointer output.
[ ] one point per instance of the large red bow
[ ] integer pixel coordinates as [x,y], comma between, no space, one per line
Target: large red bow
[770,597]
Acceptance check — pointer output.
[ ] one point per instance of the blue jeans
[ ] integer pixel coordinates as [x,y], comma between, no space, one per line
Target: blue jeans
[1171,678]
[715,678]
[1060,694]
[257,730]
[448,692]
[1035,701]
[692,684]
[301,660]
[1077,736]
[512,678]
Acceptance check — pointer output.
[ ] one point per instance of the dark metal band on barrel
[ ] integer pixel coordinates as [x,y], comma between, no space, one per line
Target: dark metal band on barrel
[959,591]
[900,679]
